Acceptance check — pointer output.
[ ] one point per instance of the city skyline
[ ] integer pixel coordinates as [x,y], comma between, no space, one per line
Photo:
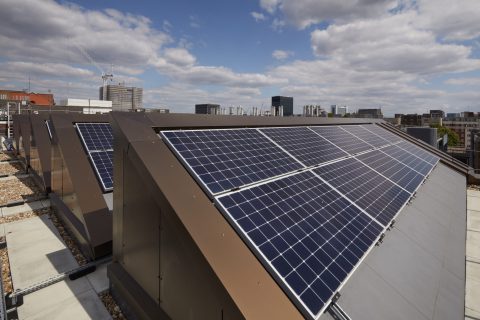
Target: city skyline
[403,56]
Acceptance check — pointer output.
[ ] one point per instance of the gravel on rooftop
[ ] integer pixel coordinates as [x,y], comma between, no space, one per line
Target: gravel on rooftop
[18,189]
[111,306]
[11,168]
[6,275]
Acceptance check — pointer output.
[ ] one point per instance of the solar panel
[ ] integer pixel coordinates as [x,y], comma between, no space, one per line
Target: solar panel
[103,163]
[379,197]
[392,169]
[408,159]
[304,144]
[385,134]
[96,136]
[226,159]
[97,139]
[365,135]
[342,139]
[307,235]
[419,152]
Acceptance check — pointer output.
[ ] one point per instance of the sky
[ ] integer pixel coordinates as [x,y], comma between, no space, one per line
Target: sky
[404,56]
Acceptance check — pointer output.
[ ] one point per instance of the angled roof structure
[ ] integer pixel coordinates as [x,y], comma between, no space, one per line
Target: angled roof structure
[77,193]
[279,218]
[33,146]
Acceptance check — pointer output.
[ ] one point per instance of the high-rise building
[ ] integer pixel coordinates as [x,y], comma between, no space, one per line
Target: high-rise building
[338,111]
[285,102]
[333,109]
[207,108]
[123,98]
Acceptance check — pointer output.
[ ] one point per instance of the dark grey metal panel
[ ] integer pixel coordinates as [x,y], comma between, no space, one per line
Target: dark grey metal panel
[419,270]
[428,135]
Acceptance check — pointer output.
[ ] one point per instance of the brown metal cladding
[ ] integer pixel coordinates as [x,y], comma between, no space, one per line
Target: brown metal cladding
[250,286]
[75,182]
[16,133]
[21,134]
[42,152]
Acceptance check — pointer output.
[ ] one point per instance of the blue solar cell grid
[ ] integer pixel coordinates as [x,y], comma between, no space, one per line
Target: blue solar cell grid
[379,197]
[419,152]
[365,135]
[392,169]
[342,139]
[103,163]
[96,136]
[408,159]
[304,144]
[226,159]
[98,141]
[307,235]
[385,134]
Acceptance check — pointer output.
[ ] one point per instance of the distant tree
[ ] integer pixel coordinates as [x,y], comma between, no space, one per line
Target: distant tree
[453,138]
[347,115]
[330,115]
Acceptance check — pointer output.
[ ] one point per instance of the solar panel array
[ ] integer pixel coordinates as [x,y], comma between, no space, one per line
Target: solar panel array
[310,202]
[97,139]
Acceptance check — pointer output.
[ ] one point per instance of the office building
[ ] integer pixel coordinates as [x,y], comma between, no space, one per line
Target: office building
[285,102]
[370,113]
[123,98]
[339,111]
[88,106]
[207,108]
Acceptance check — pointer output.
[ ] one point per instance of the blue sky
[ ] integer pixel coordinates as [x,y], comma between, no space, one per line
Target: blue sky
[401,55]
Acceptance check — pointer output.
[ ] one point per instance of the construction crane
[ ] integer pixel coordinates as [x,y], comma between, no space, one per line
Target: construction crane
[105,76]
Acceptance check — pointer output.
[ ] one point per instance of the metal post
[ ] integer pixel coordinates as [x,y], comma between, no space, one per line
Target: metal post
[8,120]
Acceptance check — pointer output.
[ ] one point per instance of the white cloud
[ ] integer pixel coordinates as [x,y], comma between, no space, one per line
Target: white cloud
[108,36]
[303,13]
[194,21]
[270,5]
[464,81]
[174,94]
[45,69]
[451,20]
[258,16]
[391,43]
[281,54]
[278,24]
[179,56]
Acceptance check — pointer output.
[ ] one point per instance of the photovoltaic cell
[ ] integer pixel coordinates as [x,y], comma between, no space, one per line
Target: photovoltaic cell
[226,159]
[385,134]
[97,139]
[392,169]
[419,152]
[304,144]
[96,136]
[373,193]
[365,135]
[342,139]
[408,159]
[103,163]
[306,234]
